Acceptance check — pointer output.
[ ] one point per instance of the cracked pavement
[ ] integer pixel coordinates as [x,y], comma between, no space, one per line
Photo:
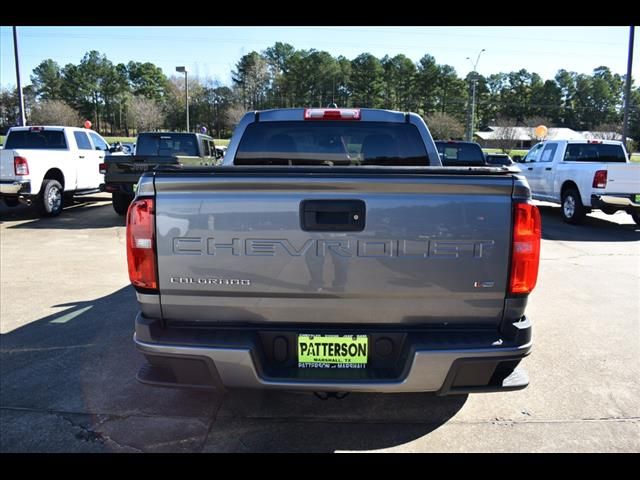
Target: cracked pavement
[68,364]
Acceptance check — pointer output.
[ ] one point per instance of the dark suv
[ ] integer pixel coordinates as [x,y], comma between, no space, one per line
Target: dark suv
[454,153]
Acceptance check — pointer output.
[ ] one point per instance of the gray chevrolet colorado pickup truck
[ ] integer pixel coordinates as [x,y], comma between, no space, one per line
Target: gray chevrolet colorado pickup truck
[332,252]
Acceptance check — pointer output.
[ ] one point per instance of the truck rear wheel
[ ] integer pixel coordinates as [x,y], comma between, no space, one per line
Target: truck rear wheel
[572,210]
[51,198]
[121,202]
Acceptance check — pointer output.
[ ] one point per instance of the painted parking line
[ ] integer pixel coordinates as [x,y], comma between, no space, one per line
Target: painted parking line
[70,316]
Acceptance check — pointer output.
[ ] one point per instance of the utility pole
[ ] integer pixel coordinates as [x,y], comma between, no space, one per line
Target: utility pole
[473,106]
[23,121]
[627,90]
[186,90]
[473,97]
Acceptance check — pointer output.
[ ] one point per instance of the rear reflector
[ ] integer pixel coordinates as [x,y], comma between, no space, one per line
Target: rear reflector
[332,114]
[525,250]
[600,179]
[20,166]
[141,244]
[102,168]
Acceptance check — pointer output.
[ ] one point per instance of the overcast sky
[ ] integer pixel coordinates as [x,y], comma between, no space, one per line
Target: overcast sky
[212,52]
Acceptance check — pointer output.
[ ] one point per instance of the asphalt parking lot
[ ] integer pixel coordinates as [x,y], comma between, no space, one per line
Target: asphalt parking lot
[68,364]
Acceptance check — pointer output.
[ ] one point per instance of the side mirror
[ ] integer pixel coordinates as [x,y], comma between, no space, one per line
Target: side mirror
[116,147]
[517,158]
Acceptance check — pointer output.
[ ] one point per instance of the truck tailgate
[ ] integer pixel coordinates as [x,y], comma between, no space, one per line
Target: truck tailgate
[431,249]
[623,178]
[128,168]
[7,171]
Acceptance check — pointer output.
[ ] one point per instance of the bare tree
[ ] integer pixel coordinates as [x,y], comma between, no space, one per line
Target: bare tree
[235,113]
[145,114]
[537,120]
[54,112]
[444,127]
[608,131]
[506,134]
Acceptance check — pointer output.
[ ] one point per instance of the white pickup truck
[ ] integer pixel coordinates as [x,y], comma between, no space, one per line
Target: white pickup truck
[582,175]
[41,164]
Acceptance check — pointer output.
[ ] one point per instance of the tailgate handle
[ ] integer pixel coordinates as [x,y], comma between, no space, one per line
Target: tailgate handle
[332,215]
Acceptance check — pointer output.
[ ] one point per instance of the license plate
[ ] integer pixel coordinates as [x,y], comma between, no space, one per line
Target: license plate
[637,199]
[333,351]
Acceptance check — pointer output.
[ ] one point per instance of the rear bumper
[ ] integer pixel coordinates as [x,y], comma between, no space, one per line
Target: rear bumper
[126,188]
[15,187]
[624,202]
[442,362]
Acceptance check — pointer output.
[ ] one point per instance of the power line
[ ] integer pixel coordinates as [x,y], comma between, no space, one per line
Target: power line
[243,41]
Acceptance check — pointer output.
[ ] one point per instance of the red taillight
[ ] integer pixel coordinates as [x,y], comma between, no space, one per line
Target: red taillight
[20,166]
[332,114]
[525,250]
[102,168]
[600,179]
[141,244]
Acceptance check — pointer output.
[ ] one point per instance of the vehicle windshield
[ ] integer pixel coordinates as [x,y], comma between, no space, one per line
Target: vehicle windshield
[594,152]
[332,143]
[36,140]
[454,154]
[178,144]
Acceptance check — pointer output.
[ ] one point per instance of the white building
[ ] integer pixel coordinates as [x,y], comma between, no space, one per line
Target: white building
[524,137]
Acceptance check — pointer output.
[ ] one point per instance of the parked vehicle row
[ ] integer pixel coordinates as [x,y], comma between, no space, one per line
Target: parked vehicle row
[42,164]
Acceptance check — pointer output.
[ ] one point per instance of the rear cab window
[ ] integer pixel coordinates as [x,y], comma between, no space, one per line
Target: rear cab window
[594,152]
[331,143]
[460,154]
[36,139]
[178,144]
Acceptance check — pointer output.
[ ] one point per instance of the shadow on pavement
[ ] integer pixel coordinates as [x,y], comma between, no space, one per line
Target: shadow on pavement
[274,421]
[593,229]
[68,384]
[79,213]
